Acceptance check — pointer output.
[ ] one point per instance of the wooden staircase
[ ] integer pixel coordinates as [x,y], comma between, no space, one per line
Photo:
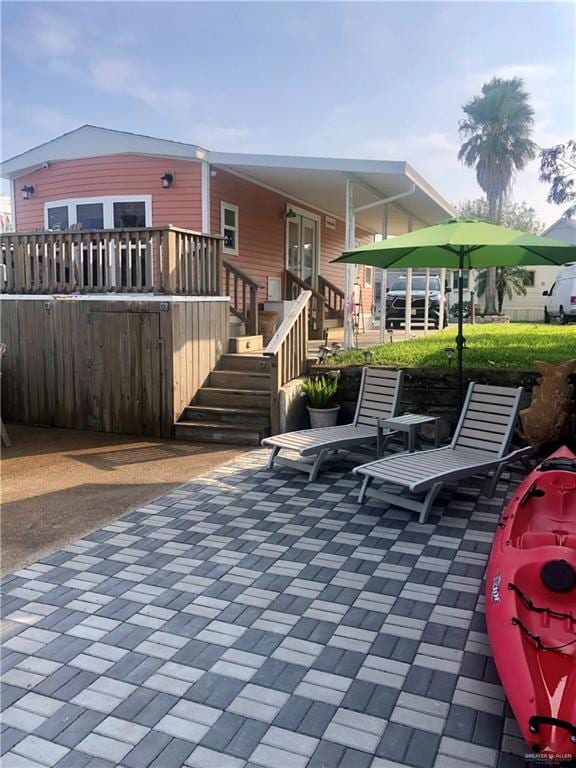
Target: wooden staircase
[234,405]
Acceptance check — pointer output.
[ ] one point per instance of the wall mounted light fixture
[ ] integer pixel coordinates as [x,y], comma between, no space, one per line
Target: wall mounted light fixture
[289,214]
[27,192]
[167,179]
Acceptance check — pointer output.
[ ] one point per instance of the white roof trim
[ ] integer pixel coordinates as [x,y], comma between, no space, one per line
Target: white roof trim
[307,163]
[93,141]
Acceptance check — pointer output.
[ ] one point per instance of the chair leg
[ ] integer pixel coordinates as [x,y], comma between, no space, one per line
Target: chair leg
[316,466]
[428,501]
[273,455]
[363,488]
[5,439]
[491,482]
[526,463]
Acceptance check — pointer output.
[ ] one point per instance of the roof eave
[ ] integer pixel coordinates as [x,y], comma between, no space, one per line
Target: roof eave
[48,152]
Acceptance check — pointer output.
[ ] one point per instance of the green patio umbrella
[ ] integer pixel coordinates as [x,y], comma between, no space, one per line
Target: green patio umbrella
[462,243]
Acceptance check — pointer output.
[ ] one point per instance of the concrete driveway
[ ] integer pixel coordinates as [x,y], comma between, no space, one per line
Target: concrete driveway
[59,484]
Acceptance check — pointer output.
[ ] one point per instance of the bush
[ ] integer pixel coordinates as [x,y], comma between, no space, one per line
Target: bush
[467,305]
[320,390]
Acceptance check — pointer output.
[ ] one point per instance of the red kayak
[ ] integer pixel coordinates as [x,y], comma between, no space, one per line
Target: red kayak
[531,605]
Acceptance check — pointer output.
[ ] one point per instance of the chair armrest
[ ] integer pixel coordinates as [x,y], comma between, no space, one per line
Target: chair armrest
[519,453]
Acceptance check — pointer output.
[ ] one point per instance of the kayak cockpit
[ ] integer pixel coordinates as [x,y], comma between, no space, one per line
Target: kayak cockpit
[544,516]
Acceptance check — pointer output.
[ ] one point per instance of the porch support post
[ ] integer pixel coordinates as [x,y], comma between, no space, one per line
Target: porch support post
[349,268]
[442,306]
[383,280]
[426,300]
[205,197]
[408,307]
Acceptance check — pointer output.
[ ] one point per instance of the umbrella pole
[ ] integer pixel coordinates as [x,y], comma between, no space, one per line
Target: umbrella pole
[460,340]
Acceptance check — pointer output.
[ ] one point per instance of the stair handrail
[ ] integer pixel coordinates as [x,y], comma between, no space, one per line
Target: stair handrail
[317,307]
[244,308]
[292,277]
[328,289]
[288,349]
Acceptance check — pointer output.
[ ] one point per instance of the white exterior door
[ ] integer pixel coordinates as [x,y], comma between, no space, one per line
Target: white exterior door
[302,247]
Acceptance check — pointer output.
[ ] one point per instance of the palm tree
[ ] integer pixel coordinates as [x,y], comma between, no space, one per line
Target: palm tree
[496,133]
[510,281]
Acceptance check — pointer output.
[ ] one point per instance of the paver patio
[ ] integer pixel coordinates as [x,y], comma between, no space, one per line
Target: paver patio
[250,618]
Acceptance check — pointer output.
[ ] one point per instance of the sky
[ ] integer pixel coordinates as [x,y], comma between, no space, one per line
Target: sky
[378,80]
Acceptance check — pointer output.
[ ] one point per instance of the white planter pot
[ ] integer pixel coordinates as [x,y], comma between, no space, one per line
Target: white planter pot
[323,417]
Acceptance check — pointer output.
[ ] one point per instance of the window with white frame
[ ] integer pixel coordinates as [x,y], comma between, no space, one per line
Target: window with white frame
[110,212]
[229,228]
[368,277]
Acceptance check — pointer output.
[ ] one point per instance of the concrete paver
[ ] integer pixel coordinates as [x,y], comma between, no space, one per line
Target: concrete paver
[222,624]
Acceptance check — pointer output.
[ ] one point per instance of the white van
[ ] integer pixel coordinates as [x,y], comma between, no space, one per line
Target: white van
[561,298]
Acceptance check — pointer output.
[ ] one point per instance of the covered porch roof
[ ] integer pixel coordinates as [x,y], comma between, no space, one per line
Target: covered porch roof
[322,183]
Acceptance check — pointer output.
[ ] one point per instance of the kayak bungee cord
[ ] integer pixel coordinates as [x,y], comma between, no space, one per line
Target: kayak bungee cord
[536,638]
[537,609]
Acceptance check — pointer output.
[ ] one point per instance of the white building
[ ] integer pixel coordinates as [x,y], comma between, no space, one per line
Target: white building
[530,308]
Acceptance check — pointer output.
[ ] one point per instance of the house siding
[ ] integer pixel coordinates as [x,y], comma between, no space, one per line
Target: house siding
[262,233]
[262,228]
[180,205]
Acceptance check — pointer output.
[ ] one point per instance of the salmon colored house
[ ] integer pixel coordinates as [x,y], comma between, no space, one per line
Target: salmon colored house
[282,218]
[135,260]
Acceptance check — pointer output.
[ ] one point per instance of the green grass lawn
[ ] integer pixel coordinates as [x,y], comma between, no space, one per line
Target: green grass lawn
[514,345]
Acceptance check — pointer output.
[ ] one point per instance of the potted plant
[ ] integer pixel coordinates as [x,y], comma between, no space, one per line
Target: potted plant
[320,391]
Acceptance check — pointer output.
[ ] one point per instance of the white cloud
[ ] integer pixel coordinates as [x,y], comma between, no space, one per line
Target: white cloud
[49,35]
[525,71]
[129,77]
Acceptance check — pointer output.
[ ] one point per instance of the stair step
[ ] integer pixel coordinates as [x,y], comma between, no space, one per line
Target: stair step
[246,344]
[248,417]
[242,398]
[240,380]
[245,362]
[217,432]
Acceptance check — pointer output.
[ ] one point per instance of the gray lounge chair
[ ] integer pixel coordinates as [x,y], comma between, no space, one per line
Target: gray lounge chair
[379,398]
[479,446]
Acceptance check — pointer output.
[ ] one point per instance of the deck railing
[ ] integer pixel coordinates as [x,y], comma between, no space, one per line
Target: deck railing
[294,288]
[144,260]
[288,349]
[243,292]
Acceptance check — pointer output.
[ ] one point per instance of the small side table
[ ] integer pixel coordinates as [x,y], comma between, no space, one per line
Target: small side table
[408,423]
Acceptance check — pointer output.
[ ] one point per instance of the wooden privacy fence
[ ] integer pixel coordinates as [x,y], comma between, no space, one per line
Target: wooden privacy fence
[128,366]
[288,349]
[149,260]
[243,291]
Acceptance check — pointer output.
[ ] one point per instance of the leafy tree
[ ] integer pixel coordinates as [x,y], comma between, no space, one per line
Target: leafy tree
[496,134]
[558,168]
[514,215]
[510,281]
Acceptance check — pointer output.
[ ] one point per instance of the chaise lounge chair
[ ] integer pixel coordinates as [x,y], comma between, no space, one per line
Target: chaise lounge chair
[479,446]
[379,398]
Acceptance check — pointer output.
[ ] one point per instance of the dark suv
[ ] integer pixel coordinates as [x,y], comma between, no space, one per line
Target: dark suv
[396,301]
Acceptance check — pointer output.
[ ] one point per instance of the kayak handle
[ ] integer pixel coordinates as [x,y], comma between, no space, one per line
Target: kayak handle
[537,720]
[563,465]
